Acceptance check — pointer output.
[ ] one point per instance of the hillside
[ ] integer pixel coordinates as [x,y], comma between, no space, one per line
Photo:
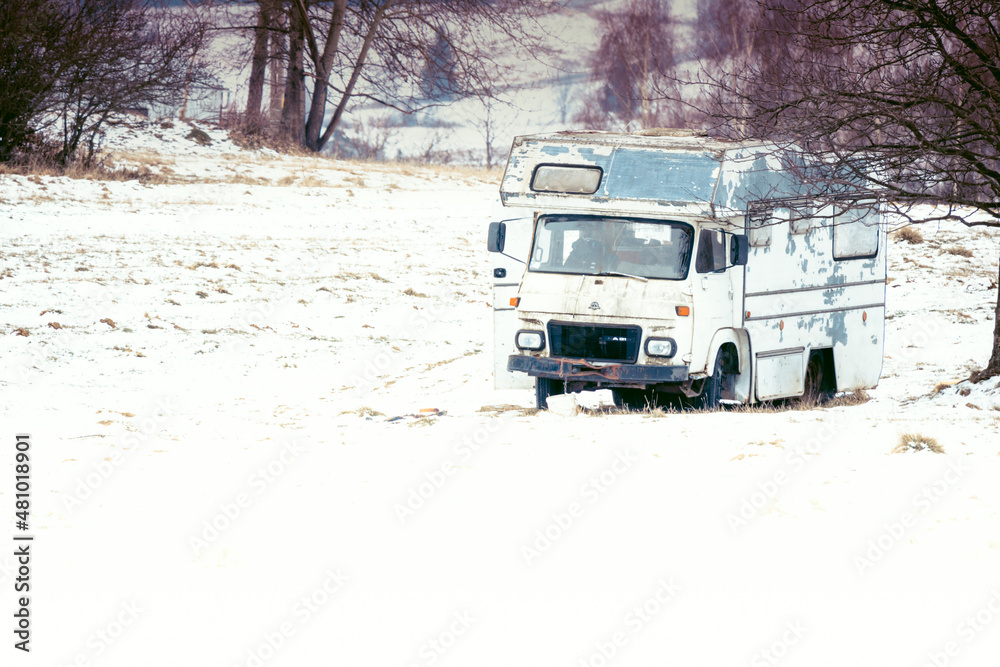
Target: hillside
[265,432]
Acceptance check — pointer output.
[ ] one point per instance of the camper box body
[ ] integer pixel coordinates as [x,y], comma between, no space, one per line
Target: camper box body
[685,265]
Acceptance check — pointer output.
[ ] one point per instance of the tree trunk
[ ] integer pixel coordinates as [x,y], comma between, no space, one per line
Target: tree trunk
[993,365]
[323,64]
[277,69]
[359,62]
[258,66]
[292,122]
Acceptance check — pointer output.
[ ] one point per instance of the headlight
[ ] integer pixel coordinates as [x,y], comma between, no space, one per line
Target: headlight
[661,347]
[529,340]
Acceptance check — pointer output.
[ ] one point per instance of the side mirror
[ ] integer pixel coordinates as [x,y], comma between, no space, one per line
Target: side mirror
[739,251]
[497,235]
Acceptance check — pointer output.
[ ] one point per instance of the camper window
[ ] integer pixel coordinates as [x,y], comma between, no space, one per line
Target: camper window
[760,219]
[568,179]
[800,219]
[855,232]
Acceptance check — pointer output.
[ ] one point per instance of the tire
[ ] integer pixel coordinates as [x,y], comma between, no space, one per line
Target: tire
[711,391]
[545,387]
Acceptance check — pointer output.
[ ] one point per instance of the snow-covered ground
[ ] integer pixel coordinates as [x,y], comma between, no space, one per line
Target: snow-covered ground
[264,433]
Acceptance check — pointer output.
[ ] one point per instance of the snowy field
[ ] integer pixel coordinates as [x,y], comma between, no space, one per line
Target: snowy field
[264,433]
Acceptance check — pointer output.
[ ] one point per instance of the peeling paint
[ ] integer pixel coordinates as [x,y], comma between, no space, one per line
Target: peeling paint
[836,327]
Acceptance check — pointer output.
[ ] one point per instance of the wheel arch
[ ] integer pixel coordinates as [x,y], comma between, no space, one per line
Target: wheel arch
[737,341]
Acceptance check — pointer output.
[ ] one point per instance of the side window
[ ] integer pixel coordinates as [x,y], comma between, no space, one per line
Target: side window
[855,232]
[711,251]
[759,222]
[800,219]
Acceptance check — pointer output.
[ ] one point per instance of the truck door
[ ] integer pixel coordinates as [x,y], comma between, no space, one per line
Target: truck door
[713,294]
[507,274]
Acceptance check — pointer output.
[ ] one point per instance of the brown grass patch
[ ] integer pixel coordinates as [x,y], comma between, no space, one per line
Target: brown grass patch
[508,407]
[914,442]
[911,235]
[941,386]
[311,181]
[243,179]
[958,250]
[856,397]
[364,412]
[100,170]
[254,141]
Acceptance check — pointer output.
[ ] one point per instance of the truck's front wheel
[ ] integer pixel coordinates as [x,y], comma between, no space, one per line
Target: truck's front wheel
[545,387]
[711,391]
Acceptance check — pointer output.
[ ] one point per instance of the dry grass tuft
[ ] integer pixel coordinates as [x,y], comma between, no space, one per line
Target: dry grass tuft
[941,386]
[508,407]
[959,251]
[364,411]
[310,181]
[242,179]
[914,442]
[856,397]
[909,234]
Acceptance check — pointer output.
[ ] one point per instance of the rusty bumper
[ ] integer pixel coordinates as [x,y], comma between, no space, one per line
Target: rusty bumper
[566,369]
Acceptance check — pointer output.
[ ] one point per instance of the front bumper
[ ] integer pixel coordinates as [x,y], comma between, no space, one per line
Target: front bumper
[572,369]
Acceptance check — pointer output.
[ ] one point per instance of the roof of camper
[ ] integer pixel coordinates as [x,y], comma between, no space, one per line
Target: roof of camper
[666,138]
[661,171]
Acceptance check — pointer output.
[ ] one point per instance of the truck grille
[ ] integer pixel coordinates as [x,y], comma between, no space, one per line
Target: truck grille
[595,342]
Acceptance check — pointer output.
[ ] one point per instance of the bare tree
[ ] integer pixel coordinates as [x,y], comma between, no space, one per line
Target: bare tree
[375,51]
[29,29]
[262,37]
[900,95]
[492,124]
[636,50]
[87,61]
[737,36]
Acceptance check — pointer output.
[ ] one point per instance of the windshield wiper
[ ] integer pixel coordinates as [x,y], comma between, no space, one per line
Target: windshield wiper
[623,275]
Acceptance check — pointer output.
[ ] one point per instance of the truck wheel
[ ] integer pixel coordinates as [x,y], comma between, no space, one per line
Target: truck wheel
[545,387]
[711,391]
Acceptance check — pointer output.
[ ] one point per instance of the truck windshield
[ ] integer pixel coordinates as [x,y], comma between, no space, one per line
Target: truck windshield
[598,245]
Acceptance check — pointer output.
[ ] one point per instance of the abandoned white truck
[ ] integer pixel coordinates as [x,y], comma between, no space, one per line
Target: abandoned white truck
[667,264]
